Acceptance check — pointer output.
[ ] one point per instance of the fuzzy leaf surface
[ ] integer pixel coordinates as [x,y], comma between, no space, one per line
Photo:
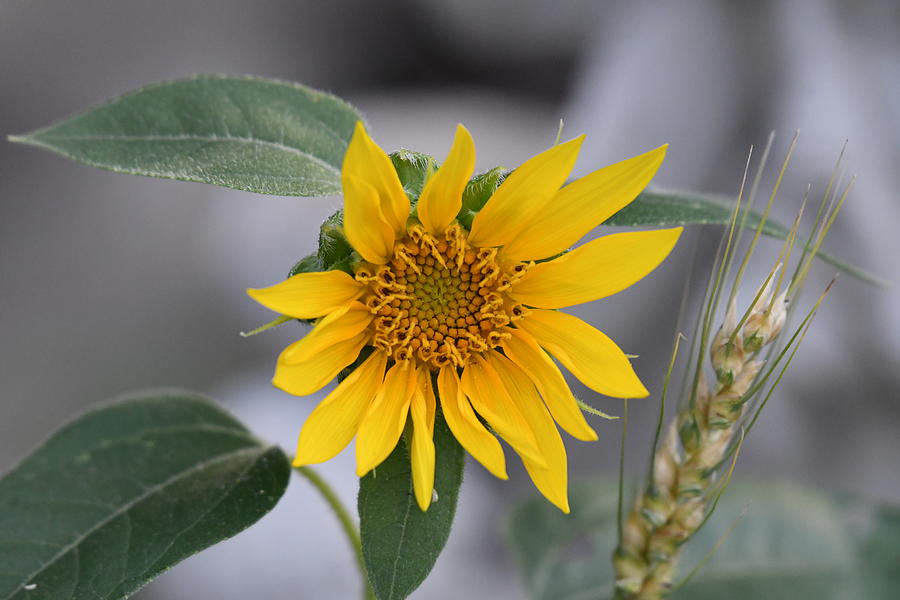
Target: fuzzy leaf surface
[791,544]
[128,490]
[401,543]
[251,134]
[413,169]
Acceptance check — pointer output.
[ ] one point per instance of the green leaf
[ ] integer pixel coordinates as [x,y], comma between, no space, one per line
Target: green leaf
[791,544]
[128,490]
[666,209]
[566,557]
[401,543]
[251,134]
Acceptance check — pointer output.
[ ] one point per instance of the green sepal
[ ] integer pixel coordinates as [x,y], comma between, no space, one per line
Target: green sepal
[335,252]
[413,169]
[308,264]
[477,192]
[400,543]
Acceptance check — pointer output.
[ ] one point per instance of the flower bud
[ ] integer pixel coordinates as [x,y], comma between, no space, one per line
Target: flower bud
[726,408]
[690,514]
[633,532]
[727,355]
[665,464]
[748,374]
[766,319]
[628,585]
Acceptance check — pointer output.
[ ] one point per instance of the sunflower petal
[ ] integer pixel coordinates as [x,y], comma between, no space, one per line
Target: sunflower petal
[598,269]
[442,197]
[334,422]
[383,423]
[523,195]
[588,353]
[422,408]
[491,399]
[346,322]
[430,399]
[584,204]
[525,352]
[365,225]
[367,162]
[466,427]
[551,479]
[309,295]
[308,376]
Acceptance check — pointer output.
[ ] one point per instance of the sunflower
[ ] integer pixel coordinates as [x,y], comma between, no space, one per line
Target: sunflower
[469,311]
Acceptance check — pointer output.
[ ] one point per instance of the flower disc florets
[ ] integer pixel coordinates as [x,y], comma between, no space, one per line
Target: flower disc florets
[439,300]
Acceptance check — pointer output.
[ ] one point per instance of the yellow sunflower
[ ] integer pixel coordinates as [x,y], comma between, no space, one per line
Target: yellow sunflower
[467,310]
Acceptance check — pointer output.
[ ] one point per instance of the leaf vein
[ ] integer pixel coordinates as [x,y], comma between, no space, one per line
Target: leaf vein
[409,504]
[210,138]
[215,505]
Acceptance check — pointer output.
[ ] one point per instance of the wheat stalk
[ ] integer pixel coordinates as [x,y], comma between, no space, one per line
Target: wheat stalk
[710,425]
[695,445]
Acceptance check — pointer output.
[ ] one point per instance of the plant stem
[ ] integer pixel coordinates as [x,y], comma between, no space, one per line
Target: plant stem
[346,521]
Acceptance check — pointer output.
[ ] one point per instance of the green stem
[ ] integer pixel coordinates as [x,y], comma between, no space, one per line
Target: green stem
[346,521]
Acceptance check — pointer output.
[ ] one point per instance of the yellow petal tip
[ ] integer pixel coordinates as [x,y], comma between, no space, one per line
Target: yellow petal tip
[256,294]
[635,389]
[588,435]
[657,155]
[576,142]
[561,503]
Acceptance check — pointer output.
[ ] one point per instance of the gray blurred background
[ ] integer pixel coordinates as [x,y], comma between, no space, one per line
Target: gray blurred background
[111,283]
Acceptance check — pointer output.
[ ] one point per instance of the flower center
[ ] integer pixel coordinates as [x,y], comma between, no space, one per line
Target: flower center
[439,300]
